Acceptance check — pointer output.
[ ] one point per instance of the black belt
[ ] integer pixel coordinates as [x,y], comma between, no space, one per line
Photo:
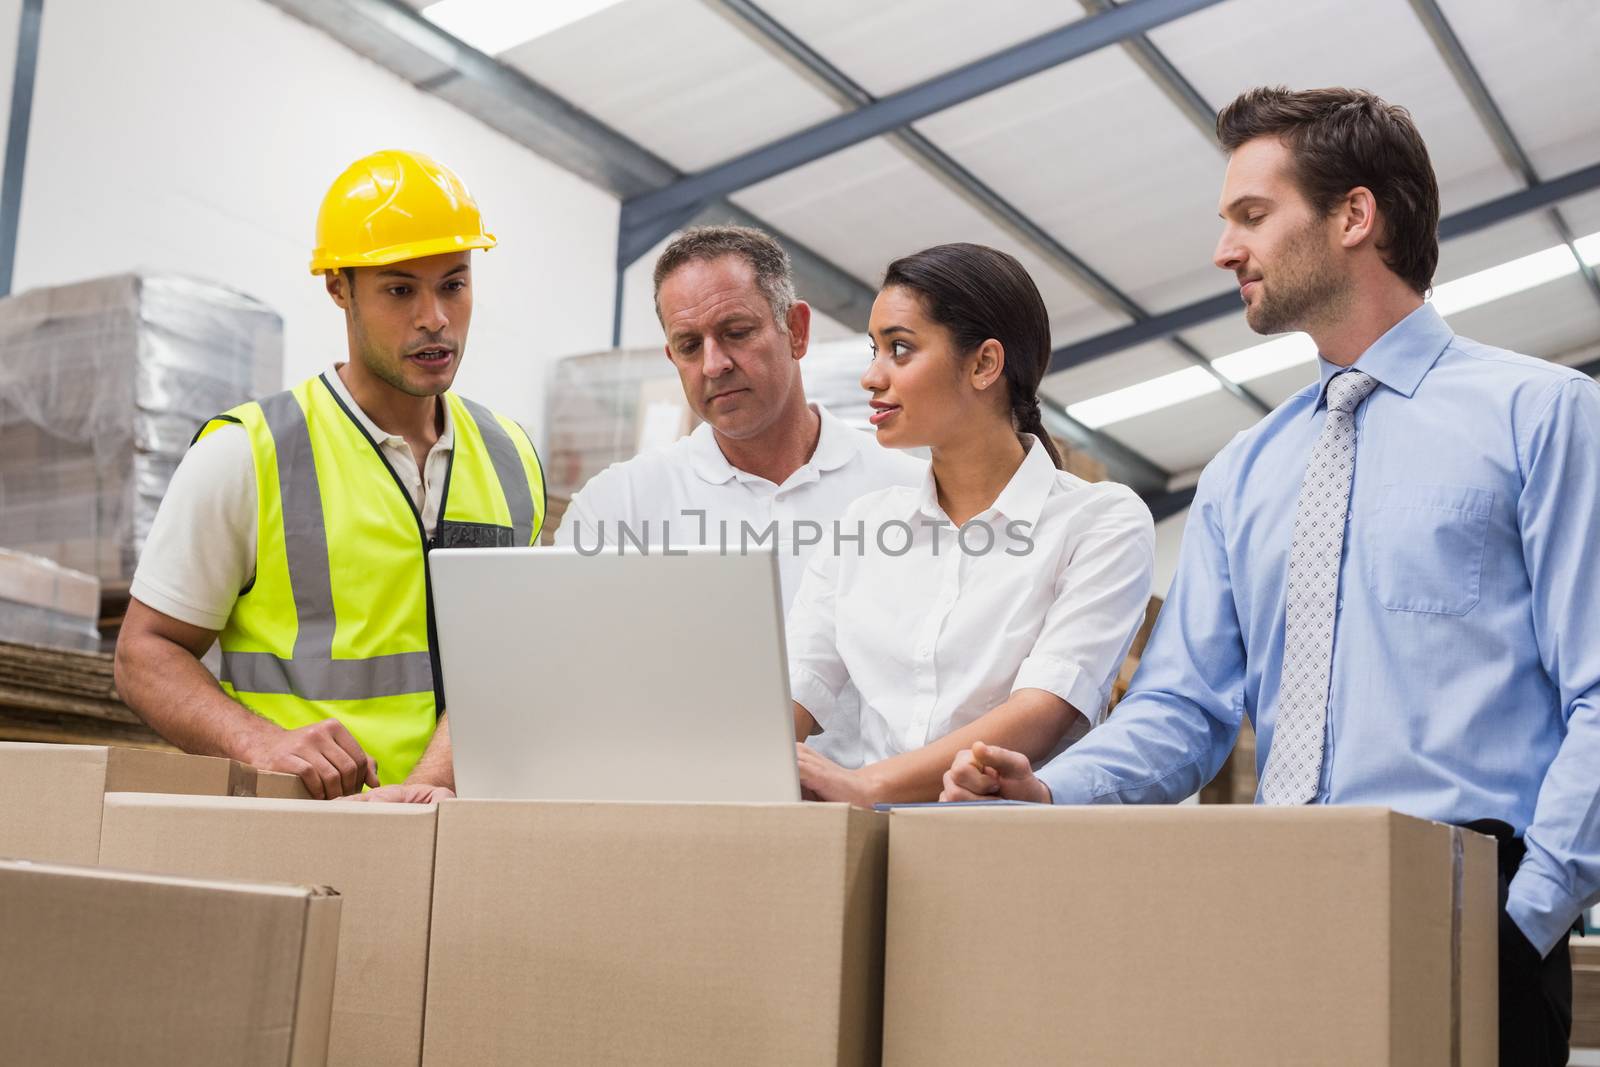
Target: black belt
[1512,848]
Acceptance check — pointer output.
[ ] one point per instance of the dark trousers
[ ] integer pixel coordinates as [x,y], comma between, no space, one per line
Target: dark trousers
[1535,993]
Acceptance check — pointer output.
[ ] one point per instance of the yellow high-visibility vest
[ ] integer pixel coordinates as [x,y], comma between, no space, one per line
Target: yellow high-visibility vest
[338,621]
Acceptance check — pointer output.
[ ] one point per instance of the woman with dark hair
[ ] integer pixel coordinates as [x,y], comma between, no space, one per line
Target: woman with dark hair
[997,601]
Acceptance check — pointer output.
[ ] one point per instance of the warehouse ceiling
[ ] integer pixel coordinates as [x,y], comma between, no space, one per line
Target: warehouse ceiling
[1098,173]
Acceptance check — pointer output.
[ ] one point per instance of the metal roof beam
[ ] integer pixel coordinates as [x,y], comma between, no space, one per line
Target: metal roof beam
[503,98]
[1473,219]
[16,147]
[907,106]
[1454,54]
[777,38]
[1184,96]
[1166,505]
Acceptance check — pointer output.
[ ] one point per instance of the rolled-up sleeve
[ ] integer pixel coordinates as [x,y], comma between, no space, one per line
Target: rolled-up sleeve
[1559,516]
[817,672]
[1101,595]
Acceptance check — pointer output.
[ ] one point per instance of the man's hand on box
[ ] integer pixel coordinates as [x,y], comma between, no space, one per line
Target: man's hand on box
[407,793]
[986,772]
[325,756]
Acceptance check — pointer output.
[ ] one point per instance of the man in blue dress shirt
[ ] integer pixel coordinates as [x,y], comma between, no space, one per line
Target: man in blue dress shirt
[1393,573]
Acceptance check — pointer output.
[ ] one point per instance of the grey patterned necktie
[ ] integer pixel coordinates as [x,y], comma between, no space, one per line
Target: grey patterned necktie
[1294,765]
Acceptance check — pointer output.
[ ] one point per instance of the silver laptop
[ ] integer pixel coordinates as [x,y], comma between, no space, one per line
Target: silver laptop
[607,677]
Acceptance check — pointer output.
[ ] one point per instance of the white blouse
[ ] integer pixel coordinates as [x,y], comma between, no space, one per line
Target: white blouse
[937,626]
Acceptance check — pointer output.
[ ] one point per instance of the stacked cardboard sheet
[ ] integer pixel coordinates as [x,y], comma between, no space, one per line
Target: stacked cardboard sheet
[54,694]
[102,386]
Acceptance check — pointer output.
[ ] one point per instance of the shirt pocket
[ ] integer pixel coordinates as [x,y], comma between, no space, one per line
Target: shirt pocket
[1426,547]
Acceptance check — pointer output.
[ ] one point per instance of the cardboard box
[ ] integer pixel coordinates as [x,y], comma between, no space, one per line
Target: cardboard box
[1188,935]
[378,856]
[43,583]
[52,794]
[656,933]
[276,785]
[1585,991]
[107,967]
[106,382]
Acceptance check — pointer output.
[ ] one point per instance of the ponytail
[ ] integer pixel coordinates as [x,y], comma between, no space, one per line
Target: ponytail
[1029,420]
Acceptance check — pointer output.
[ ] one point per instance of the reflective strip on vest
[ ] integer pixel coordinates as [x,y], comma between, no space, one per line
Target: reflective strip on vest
[313,673]
[327,678]
[508,468]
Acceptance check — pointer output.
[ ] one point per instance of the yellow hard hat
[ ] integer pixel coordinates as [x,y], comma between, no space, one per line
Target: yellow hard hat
[392,206]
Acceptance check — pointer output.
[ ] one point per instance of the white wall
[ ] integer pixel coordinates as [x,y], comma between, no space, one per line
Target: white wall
[198,136]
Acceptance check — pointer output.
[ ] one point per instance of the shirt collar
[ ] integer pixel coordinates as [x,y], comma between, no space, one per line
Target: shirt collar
[1022,500]
[1401,358]
[378,434]
[834,449]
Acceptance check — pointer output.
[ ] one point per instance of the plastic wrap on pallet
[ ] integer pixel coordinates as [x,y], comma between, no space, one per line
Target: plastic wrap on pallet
[102,386]
[44,603]
[595,415]
[26,624]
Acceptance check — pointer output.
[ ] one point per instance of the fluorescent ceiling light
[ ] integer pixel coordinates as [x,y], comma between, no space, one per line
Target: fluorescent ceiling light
[495,26]
[1258,361]
[1507,279]
[1281,353]
[1147,396]
[1589,248]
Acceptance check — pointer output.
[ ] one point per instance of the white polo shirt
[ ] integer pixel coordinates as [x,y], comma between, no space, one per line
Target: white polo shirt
[935,626]
[676,483]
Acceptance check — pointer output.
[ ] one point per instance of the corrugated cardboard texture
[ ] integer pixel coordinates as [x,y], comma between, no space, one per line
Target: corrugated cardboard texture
[378,856]
[1195,935]
[52,794]
[278,786]
[655,933]
[110,968]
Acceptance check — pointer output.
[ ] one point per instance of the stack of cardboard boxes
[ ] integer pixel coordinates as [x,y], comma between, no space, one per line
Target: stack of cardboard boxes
[102,386]
[507,932]
[43,603]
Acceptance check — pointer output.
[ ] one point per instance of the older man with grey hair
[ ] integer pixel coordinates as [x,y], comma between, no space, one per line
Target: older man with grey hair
[765,467]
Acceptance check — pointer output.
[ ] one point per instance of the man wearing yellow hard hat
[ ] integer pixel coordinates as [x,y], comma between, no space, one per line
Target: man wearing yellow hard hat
[296,530]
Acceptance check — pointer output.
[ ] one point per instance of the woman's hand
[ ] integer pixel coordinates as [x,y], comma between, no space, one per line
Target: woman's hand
[823,779]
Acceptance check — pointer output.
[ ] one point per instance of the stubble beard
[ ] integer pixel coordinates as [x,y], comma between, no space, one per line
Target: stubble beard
[1305,289]
[372,358]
